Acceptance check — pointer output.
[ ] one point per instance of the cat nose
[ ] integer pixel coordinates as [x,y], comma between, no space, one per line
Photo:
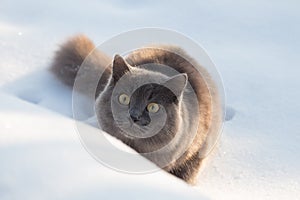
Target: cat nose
[135,115]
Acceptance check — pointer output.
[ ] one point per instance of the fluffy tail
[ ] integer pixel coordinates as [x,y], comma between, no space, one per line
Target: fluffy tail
[71,55]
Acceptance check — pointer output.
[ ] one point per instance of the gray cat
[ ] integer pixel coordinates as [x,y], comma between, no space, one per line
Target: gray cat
[154,100]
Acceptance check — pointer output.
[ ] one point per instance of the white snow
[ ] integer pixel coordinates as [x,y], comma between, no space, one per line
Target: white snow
[255,45]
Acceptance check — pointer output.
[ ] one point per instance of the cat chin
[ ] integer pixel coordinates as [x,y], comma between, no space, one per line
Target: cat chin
[128,136]
[134,131]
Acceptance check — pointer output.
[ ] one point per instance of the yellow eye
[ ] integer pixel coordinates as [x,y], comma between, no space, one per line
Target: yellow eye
[124,99]
[153,107]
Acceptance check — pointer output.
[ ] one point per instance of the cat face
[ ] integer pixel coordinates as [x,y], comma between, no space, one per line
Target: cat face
[142,112]
[140,105]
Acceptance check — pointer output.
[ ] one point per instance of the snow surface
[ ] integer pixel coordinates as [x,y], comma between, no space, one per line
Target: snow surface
[255,45]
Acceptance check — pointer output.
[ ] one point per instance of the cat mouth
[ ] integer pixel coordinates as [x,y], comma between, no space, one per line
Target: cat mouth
[133,129]
[137,123]
[141,123]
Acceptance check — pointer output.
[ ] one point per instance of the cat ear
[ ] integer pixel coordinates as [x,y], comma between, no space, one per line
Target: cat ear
[119,68]
[177,83]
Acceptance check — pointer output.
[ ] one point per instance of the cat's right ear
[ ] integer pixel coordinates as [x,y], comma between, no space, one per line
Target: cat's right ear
[120,67]
[177,83]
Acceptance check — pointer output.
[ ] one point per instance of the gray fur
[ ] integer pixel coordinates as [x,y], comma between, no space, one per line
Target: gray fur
[142,73]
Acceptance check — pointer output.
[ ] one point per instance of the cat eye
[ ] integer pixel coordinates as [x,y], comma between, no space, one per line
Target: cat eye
[124,99]
[153,107]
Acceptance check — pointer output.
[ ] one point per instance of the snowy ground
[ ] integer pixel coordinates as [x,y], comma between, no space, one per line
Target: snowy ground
[255,45]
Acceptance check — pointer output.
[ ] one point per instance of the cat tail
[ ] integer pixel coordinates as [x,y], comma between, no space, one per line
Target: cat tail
[70,56]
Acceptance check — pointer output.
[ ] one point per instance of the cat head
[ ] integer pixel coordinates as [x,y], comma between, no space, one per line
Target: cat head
[141,107]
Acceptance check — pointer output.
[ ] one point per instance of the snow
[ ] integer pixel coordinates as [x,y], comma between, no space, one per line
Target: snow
[255,45]
[42,158]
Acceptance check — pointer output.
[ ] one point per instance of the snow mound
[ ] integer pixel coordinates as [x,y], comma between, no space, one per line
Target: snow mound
[254,44]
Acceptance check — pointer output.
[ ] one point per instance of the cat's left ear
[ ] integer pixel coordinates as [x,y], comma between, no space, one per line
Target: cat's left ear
[119,68]
[177,83]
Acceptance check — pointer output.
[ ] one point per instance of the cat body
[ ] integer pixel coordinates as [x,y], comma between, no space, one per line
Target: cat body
[155,100]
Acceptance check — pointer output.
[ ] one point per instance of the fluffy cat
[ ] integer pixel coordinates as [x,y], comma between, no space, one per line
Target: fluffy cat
[148,106]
